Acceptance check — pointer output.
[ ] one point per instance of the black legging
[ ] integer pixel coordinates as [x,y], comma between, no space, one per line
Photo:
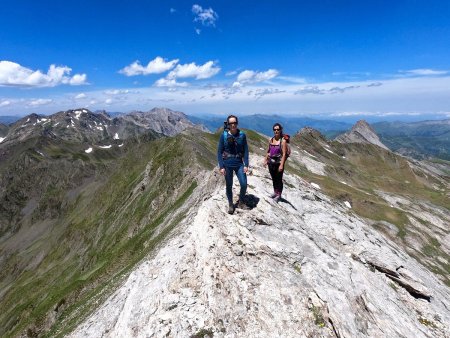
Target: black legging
[277,177]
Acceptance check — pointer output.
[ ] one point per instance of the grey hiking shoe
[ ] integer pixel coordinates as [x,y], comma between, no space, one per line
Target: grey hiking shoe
[230,209]
[277,198]
[273,195]
[242,205]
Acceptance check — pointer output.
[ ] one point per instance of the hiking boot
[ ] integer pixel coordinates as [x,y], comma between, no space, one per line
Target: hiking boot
[273,195]
[230,209]
[277,198]
[242,205]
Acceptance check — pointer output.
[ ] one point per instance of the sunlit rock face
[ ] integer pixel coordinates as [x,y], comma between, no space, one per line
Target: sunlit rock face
[361,132]
[161,120]
[304,267]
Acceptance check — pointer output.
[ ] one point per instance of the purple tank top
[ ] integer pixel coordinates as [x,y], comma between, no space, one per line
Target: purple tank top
[274,150]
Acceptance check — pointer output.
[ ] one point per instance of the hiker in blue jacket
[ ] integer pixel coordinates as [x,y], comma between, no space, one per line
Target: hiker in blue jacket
[232,155]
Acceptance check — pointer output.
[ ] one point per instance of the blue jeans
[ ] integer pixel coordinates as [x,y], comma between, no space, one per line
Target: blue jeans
[242,177]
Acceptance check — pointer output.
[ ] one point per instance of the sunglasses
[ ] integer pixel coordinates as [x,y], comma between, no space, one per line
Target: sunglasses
[232,123]
[276,129]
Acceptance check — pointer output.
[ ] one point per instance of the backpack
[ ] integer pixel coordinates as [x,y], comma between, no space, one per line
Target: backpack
[287,138]
[226,136]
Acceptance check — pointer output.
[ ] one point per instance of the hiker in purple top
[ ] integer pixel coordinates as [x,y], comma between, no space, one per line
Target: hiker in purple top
[275,159]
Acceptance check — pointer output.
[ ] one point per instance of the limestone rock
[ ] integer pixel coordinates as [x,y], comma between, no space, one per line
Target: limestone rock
[361,132]
[299,268]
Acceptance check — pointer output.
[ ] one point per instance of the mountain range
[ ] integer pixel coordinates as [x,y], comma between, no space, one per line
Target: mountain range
[419,140]
[127,235]
[263,123]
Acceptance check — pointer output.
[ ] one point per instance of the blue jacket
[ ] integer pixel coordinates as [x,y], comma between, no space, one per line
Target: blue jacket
[234,145]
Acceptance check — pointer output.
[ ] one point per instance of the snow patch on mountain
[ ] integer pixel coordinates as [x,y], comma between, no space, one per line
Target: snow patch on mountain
[78,114]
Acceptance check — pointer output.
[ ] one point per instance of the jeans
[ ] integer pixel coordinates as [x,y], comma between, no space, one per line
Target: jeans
[242,177]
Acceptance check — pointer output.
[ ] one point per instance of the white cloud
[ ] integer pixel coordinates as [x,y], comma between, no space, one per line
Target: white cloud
[250,76]
[351,74]
[207,16]
[198,31]
[80,96]
[13,74]
[260,92]
[246,76]
[170,83]
[116,91]
[5,103]
[156,66]
[204,71]
[40,102]
[108,101]
[231,73]
[78,79]
[402,95]
[236,84]
[424,72]
[293,79]
[323,91]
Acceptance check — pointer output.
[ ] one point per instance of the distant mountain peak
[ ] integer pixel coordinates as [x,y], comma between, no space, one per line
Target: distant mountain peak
[83,125]
[361,132]
[311,132]
[162,120]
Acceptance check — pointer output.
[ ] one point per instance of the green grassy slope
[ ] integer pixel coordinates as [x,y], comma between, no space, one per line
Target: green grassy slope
[111,219]
[74,224]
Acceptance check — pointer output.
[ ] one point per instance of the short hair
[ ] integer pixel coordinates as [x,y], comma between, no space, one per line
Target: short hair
[230,116]
[278,125]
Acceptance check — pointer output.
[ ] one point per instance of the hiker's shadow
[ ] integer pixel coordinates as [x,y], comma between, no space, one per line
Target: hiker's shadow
[251,201]
[286,201]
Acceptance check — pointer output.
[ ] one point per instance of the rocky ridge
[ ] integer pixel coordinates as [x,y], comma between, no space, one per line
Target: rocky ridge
[161,120]
[307,266]
[361,132]
[82,125]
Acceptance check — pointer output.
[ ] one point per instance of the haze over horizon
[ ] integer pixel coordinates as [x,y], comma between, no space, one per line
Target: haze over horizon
[323,59]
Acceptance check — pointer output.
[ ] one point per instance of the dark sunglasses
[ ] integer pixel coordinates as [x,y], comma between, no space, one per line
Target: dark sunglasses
[232,123]
[276,129]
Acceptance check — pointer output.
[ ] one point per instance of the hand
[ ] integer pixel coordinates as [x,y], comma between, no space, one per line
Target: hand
[222,171]
[265,162]
[280,168]
[245,170]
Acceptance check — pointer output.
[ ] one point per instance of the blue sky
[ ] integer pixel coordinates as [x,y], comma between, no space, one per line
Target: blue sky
[332,58]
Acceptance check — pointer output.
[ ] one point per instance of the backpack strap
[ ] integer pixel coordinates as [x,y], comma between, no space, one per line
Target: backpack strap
[270,142]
